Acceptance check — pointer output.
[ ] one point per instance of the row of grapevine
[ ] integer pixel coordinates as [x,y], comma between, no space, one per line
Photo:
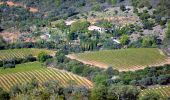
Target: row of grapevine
[20,53]
[123,59]
[64,78]
[164,91]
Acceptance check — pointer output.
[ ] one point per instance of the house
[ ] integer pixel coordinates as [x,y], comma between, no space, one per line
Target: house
[96,28]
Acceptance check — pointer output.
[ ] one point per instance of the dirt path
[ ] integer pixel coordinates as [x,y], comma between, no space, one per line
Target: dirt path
[105,66]
[93,63]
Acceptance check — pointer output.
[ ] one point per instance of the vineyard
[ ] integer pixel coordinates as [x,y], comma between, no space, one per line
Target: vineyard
[42,74]
[20,53]
[123,59]
[163,91]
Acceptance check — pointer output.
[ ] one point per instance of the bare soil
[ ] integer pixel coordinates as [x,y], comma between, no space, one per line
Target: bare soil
[10,36]
[120,20]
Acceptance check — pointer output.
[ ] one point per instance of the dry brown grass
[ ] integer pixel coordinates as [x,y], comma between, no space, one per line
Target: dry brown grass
[10,3]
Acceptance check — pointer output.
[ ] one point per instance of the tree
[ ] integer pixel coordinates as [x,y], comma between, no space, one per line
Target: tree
[99,93]
[2,43]
[72,36]
[100,79]
[168,31]
[124,39]
[58,2]
[96,7]
[164,79]
[123,92]
[122,7]
[59,24]
[4,95]
[60,56]
[163,8]
[79,26]
[148,42]
[77,69]
[42,56]
[151,96]
[110,71]
[148,24]
[113,2]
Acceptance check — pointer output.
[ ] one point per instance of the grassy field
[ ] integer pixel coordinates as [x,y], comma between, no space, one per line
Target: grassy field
[26,72]
[123,59]
[19,53]
[22,68]
[163,91]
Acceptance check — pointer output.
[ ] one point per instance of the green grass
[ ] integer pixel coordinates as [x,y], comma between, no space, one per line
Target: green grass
[22,68]
[24,73]
[125,58]
[20,53]
[163,91]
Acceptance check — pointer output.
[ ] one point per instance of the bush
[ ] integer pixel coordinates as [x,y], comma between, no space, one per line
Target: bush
[148,42]
[124,39]
[147,24]
[168,31]
[96,7]
[79,26]
[122,7]
[42,56]
[1,63]
[4,95]
[164,79]
[9,66]
[30,58]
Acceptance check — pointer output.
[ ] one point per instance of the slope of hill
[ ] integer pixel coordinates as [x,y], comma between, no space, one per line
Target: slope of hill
[20,53]
[124,59]
[26,72]
[163,91]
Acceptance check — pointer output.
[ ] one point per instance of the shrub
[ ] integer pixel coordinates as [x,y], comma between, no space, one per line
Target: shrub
[42,56]
[168,31]
[122,7]
[30,58]
[9,66]
[96,7]
[124,39]
[1,63]
[147,24]
[4,95]
[164,79]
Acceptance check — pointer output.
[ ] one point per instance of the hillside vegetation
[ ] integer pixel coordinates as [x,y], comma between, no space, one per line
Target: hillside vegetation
[84,50]
[124,59]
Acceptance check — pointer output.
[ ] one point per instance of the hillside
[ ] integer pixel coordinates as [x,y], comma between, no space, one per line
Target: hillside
[161,90]
[21,53]
[84,49]
[25,72]
[124,59]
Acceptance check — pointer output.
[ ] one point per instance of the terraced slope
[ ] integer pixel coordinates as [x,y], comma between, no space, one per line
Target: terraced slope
[19,53]
[164,91]
[64,78]
[123,59]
